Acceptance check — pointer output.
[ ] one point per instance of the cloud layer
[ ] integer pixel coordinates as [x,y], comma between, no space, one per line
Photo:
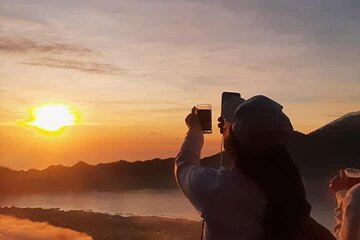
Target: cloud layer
[56,55]
[18,229]
[24,45]
[88,67]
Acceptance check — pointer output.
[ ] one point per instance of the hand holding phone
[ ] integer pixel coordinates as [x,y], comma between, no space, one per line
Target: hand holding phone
[221,124]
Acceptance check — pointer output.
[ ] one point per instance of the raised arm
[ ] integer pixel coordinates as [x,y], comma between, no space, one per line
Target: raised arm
[196,182]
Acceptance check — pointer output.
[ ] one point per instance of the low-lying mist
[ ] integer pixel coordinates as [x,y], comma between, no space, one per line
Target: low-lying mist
[19,229]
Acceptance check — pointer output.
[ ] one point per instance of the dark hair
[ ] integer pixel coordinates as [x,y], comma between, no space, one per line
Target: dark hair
[278,176]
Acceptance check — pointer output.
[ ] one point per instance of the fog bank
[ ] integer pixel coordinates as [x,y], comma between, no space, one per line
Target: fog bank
[19,229]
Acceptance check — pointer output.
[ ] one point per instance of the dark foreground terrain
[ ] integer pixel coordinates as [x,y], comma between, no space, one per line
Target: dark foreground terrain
[111,227]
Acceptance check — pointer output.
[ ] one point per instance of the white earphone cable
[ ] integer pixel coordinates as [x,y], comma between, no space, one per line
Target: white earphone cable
[221,151]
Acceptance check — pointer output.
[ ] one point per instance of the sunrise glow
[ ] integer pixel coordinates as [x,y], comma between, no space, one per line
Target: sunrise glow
[134,69]
[53,117]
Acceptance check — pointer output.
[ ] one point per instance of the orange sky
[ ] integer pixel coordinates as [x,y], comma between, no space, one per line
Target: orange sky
[134,70]
[144,137]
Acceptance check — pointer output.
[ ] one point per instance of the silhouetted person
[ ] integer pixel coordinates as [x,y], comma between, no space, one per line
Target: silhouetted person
[347,214]
[263,196]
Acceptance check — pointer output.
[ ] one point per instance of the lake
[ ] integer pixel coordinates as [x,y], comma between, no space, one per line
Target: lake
[167,203]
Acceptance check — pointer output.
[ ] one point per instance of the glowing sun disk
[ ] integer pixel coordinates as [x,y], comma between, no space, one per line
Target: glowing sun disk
[52,117]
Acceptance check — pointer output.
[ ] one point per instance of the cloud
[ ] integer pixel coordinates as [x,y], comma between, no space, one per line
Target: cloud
[20,229]
[27,46]
[88,67]
[140,102]
[57,55]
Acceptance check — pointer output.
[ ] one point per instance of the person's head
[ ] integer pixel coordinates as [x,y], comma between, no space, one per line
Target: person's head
[256,133]
[254,125]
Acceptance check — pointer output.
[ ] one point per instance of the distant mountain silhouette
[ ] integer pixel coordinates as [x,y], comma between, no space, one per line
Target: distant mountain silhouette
[318,154]
[333,146]
[345,125]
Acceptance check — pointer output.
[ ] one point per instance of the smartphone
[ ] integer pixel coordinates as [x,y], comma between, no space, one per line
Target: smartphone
[227,95]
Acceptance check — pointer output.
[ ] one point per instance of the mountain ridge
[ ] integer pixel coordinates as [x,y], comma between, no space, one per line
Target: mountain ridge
[318,156]
[347,122]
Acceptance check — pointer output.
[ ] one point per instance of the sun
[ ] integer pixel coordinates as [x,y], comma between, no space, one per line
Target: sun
[52,117]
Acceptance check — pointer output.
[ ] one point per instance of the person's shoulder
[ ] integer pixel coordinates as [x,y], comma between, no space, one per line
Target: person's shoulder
[237,178]
[227,173]
[237,185]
